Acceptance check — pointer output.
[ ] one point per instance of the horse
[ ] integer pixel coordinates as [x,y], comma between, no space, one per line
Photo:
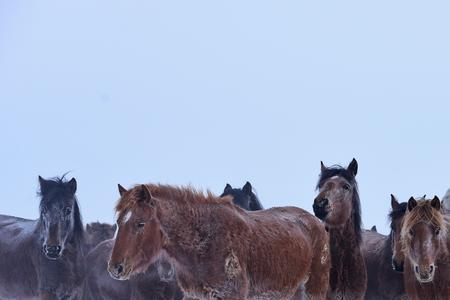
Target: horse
[244,197]
[338,206]
[426,243]
[158,282]
[43,258]
[96,233]
[446,202]
[384,273]
[219,250]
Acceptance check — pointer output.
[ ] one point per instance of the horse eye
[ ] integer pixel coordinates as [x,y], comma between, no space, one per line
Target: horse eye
[140,224]
[346,187]
[67,211]
[411,232]
[437,231]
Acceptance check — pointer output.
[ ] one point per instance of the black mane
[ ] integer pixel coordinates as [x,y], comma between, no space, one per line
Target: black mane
[337,170]
[398,212]
[59,189]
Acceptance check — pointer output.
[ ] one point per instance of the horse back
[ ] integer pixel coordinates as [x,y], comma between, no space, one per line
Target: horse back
[19,250]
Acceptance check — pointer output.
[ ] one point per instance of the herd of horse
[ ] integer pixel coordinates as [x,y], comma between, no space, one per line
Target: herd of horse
[172,242]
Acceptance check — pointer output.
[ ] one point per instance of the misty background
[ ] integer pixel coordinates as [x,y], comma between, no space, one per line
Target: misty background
[214,92]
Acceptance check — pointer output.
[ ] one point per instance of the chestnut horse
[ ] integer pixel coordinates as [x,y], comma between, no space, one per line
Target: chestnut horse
[384,274]
[43,258]
[219,250]
[426,242]
[338,206]
[158,282]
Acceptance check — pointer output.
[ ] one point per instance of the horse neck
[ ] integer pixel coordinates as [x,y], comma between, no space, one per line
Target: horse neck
[186,226]
[344,240]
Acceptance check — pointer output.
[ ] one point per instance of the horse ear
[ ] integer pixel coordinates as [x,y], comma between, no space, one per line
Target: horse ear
[394,202]
[147,195]
[436,203]
[322,167]
[227,188]
[353,167]
[411,203]
[88,227]
[247,188]
[45,185]
[374,228]
[122,190]
[72,185]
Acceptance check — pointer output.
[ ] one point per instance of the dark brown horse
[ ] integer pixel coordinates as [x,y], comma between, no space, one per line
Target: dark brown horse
[43,258]
[219,250]
[96,233]
[426,242]
[384,277]
[338,206]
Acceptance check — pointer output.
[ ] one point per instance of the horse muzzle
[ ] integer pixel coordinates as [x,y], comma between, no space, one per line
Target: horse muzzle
[424,274]
[52,252]
[118,271]
[397,267]
[321,207]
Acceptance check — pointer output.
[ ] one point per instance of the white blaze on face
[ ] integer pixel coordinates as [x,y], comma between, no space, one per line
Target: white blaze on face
[117,230]
[127,217]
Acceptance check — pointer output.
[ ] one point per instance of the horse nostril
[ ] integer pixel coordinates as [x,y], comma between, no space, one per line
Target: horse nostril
[417,269]
[119,268]
[431,269]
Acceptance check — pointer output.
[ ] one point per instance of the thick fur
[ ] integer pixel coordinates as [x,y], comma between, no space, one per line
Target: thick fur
[221,251]
[25,272]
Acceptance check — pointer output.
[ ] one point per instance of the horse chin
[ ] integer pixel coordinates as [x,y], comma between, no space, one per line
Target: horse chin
[51,257]
[424,280]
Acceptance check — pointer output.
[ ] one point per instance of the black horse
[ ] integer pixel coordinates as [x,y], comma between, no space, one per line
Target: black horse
[244,197]
[43,258]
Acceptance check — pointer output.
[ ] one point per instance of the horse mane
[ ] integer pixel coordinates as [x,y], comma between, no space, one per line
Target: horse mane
[255,204]
[60,189]
[423,212]
[181,194]
[398,212]
[340,171]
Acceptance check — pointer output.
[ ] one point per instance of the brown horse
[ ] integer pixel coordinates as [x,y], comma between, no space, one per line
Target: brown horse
[426,242]
[384,278]
[219,250]
[338,206]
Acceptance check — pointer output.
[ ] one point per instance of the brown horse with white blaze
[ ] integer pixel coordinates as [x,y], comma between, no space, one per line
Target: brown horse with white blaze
[338,206]
[219,250]
[426,244]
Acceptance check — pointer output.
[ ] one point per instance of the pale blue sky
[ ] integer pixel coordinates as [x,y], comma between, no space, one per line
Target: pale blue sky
[210,92]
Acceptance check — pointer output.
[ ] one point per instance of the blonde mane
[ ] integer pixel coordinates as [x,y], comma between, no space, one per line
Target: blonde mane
[423,212]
